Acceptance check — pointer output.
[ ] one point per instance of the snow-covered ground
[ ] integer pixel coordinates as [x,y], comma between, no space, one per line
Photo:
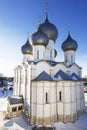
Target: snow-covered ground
[3,99]
[19,123]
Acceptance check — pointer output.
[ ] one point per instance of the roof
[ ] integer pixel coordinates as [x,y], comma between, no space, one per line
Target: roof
[44,76]
[69,44]
[60,75]
[39,38]
[49,29]
[52,63]
[75,77]
[75,65]
[27,48]
[16,100]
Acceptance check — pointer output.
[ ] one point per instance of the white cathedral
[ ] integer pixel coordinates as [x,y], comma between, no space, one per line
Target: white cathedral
[52,90]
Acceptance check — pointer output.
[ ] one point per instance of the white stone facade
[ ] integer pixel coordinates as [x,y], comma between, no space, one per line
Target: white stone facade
[34,93]
[52,91]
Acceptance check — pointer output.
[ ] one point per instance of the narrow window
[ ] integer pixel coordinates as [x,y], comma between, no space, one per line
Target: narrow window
[60,96]
[51,55]
[46,97]
[43,55]
[71,58]
[65,58]
[38,55]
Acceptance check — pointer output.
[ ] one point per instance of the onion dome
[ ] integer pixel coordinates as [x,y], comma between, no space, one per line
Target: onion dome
[27,48]
[39,38]
[49,29]
[69,44]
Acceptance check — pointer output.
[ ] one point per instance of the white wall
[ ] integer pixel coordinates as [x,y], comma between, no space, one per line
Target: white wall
[69,57]
[50,45]
[50,52]
[42,66]
[27,57]
[75,69]
[52,70]
[40,89]
[38,52]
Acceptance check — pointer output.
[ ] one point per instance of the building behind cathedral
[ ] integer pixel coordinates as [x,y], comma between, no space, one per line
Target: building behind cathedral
[52,90]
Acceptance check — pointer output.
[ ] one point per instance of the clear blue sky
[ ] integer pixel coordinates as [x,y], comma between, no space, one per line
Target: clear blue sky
[19,19]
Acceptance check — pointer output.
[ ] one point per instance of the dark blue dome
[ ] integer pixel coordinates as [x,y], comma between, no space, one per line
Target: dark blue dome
[27,48]
[39,38]
[69,44]
[49,29]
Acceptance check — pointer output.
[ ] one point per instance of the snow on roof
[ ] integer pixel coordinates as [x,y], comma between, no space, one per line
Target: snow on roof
[3,104]
[60,75]
[74,64]
[75,77]
[44,76]
[15,100]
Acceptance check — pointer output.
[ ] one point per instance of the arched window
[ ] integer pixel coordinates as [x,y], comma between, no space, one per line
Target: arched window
[46,96]
[60,96]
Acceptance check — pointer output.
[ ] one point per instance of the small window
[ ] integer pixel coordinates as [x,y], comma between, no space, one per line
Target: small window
[50,54]
[71,58]
[43,55]
[65,58]
[46,97]
[19,108]
[60,96]
[38,55]
[14,109]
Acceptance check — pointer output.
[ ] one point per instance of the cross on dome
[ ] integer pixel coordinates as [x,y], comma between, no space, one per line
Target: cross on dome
[46,9]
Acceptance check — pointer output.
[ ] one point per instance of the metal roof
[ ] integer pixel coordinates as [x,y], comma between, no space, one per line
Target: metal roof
[15,100]
[49,29]
[63,76]
[75,77]
[27,48]
[44,76]
[69,44]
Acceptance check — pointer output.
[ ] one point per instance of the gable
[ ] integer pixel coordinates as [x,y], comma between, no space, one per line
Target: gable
[75,77]
[44,76]
[60,75]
